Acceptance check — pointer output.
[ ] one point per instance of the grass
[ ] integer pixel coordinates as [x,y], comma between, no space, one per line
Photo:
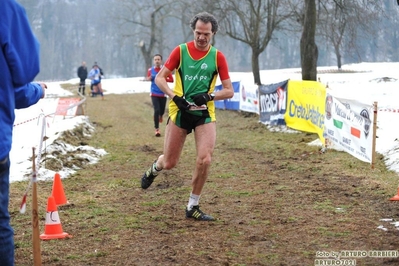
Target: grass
[274,196]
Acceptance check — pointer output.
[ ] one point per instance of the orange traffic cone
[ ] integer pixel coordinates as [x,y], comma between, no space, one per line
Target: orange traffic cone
[53,228]
[58,191]
[396,197]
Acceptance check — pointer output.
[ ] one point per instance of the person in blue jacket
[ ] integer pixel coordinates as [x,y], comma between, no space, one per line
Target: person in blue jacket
[158,97]
[19,65]
[95,76]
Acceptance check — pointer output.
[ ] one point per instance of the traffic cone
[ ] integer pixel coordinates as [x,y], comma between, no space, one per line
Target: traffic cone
[52,228]
[58,191]
[396,197]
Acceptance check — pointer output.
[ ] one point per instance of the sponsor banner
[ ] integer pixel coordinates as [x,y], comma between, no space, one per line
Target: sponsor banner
[249,100]
[229,104]
[272,103]
[69,107]
[306,106]
[348,124]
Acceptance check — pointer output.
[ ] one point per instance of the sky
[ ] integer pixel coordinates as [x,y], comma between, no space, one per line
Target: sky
[375,82]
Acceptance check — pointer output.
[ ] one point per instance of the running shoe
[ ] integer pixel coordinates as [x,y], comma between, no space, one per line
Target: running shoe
[198,215]
[160,119]
[157,132]
[148,178]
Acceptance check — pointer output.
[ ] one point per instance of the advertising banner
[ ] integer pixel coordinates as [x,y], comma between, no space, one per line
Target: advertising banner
[272,103]
[306,106]
[348,124]
[249,100]
[229,104]
[69,107]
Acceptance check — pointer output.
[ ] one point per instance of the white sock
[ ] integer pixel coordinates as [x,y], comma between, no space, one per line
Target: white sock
[155,170]
[193,201]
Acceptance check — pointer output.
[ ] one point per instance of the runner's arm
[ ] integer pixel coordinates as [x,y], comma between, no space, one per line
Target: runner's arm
[171,64]
[227,90]
[169,78]
[148,78]
[161,81]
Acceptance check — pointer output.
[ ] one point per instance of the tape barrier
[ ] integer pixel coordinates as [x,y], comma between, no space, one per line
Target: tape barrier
[391,110]
[54,113]
[29,120]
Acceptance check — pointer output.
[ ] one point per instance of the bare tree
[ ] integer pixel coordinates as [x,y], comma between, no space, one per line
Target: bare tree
[145,22]
[387,41]
[343,22]
[309,52]
[186,11]
[253,22]
[111,31]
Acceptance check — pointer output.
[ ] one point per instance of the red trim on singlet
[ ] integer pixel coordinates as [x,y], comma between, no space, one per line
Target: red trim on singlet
[157,69]
[174,59]
[149,70]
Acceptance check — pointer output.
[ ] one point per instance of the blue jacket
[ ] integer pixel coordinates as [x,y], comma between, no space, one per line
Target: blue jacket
[95,76]
[19,65]
[155,90]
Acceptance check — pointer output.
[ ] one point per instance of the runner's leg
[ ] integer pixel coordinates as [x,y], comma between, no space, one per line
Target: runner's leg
[156,104]
[173,146]
[205,139]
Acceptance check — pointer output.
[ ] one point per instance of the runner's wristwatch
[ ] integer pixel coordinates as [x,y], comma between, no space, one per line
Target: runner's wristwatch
[212,95]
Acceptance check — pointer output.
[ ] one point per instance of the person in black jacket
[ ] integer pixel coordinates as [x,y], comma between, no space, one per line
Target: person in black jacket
[82,74]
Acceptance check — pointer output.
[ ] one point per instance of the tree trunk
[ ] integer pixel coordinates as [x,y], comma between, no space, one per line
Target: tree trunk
[255,66]
[339,59]
[309,52]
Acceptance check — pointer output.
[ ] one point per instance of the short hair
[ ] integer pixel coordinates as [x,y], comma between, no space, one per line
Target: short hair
[157,55]
[205,17]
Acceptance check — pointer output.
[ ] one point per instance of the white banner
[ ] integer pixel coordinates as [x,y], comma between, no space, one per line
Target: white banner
[348,125]
[249,98]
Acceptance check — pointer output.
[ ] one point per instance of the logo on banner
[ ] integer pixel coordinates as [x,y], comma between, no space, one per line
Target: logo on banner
[367,123]
[281,99]
[329,104]
[243,94]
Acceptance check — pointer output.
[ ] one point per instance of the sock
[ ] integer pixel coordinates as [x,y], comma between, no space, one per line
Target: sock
[155,170]
[193,201]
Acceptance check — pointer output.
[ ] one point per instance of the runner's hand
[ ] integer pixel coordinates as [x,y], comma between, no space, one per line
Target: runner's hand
[181,103]
[201,98]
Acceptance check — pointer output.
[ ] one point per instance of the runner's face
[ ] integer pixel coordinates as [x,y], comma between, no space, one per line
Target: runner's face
[202,35]
[157,61]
